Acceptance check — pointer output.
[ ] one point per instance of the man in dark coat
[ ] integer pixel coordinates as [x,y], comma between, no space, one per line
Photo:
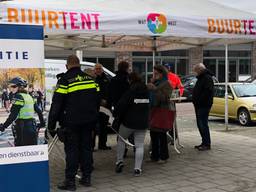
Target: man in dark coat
[202,100]
[103,83]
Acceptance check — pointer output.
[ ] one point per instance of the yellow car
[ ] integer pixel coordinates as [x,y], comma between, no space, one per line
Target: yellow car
[241,102]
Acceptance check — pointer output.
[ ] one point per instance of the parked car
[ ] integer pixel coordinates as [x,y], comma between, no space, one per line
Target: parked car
[189,83]
[241,102]
[251,80]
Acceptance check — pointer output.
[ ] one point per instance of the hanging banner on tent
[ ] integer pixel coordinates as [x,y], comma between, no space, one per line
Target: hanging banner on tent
[68,21]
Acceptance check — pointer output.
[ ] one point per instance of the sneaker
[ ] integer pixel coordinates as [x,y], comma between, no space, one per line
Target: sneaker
[68,185]
[119,167]
[204,148]
[137,172]
[85,181]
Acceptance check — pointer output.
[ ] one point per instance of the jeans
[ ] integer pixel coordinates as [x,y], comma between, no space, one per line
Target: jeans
[202,115]
[139,136]
[78,149]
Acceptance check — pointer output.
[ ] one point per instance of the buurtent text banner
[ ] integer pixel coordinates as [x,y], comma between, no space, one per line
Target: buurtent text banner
[68,21]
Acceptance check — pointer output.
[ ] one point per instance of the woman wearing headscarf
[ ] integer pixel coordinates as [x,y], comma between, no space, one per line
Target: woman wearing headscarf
[161,115]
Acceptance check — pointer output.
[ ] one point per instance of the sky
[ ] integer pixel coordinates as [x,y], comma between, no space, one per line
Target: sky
[245,5]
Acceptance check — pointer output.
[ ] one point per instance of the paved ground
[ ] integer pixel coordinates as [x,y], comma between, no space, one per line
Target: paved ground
[229,167]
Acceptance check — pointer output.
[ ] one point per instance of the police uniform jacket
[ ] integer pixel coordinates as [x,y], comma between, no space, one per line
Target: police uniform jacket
[20,109]
[75,100]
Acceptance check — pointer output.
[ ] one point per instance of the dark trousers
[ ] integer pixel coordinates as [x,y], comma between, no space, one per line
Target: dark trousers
[78,149]
[25,132]
[103,132]
[159,146]
[202,115]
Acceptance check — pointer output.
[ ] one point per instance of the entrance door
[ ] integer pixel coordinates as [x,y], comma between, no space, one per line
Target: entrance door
[232,70]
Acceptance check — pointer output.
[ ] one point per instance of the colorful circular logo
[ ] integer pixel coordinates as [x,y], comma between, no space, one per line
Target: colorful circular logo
[157,23]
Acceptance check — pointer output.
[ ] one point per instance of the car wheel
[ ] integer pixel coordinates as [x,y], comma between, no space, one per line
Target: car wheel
[244,117]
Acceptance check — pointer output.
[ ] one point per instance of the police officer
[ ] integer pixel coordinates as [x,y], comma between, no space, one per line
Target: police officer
[76,103]
[22,112]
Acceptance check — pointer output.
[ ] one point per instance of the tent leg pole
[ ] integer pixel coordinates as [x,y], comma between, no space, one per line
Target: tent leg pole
[79,54]
[154,58]
[146,71]
[154,51]
[226,86]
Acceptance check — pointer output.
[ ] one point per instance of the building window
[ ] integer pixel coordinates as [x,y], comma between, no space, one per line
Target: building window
[182,67]
[239,63]
[244,66]
[211,65]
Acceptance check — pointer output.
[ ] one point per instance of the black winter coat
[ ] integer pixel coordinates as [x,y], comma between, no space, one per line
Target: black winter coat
[103,83]
[133,107]
[203,90]
[117,87]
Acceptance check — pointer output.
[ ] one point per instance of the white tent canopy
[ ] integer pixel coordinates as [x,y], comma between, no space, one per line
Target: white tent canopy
[130,25]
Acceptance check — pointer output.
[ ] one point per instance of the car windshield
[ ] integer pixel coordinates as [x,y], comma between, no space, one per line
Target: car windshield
[245,90]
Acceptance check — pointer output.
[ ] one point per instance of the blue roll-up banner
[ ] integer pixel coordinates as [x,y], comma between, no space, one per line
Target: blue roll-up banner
[23,168]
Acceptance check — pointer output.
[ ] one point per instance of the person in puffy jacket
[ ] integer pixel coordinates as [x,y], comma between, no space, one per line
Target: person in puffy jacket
[133,112]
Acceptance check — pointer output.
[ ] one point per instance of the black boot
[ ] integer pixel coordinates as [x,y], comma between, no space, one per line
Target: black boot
[69,185]
[85,181]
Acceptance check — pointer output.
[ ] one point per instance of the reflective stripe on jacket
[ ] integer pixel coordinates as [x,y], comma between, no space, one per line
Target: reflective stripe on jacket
[27,111]
[75,101]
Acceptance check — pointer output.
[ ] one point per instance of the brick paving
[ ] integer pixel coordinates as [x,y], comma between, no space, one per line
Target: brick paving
[229,167]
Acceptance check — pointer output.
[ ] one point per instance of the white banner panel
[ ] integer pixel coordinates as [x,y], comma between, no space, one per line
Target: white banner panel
[24,154]
[27,55]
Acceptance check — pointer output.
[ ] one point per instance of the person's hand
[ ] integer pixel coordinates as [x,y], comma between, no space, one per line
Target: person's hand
[52,133]
[2,128]
[151,86]
[61,134]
